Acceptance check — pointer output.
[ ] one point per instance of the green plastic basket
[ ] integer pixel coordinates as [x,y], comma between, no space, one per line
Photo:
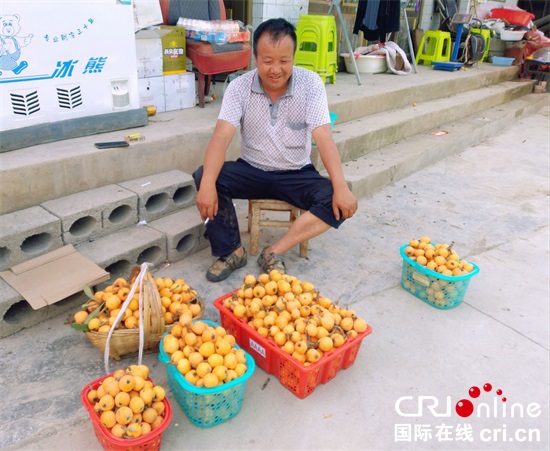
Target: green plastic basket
[438,290]
[207,407]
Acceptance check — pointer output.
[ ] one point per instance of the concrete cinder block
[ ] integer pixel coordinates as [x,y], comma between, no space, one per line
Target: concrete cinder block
[161,194]
[94,213]
[17,314]
[120,251]
[184,233]
[26,234]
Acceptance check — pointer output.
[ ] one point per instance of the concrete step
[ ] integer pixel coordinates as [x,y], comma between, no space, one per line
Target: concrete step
[358,137]
[380,167]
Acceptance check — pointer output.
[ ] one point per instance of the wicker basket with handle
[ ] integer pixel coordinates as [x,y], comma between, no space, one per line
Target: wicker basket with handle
[120,342]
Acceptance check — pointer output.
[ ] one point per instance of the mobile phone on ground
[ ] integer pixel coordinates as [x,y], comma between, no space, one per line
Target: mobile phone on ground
[106,145]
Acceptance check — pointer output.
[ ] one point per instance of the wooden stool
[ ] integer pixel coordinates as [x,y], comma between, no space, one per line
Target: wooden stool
[255,208]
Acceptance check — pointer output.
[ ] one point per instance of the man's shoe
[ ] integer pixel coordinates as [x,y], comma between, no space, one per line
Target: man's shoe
[224,266]
[269,262]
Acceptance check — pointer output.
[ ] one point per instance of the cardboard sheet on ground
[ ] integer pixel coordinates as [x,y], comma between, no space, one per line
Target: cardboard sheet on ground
[54,276]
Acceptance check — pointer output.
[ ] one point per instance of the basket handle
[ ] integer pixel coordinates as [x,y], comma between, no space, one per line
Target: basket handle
[137,280]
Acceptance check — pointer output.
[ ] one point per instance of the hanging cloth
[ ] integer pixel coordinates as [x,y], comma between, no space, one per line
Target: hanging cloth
[387,19]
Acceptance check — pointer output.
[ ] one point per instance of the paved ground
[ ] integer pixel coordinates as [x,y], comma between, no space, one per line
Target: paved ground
[491,199]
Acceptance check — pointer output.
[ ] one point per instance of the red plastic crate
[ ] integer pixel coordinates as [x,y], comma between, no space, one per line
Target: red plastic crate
[148,442]
[512,16]
[299,379]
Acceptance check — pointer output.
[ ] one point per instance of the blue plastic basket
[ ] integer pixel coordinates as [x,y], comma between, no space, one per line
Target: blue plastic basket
[206,407]
[438,290]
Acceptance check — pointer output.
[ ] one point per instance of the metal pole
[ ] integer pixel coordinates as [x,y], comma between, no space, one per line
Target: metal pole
[336,3]
[413,58]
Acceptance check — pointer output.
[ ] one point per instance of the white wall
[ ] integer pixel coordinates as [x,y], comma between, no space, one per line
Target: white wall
[269,9]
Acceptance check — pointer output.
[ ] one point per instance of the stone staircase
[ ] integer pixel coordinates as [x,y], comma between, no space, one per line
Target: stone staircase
[122,206]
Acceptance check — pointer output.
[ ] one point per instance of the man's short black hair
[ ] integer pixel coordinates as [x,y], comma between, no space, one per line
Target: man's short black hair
[277,29]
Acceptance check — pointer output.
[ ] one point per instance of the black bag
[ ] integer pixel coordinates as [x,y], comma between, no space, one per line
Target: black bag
[474,48]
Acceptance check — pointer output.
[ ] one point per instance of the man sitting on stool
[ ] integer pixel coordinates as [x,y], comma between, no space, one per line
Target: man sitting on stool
[279,108]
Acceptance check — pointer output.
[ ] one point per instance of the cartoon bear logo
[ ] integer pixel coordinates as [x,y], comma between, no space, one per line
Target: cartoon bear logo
[11,44]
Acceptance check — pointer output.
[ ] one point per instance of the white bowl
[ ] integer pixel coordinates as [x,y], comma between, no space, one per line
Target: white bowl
[366,64]
[510,35]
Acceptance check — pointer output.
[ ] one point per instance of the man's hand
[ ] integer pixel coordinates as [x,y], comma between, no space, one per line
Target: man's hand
[344,201]
[207,202]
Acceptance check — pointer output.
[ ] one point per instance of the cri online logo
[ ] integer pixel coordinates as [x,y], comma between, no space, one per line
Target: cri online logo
[465,408]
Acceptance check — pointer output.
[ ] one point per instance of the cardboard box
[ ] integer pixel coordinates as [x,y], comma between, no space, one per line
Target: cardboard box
[151,92]
[179,91]
[160,51]
[48,279]
[173,50]
[146,14]
[148,53]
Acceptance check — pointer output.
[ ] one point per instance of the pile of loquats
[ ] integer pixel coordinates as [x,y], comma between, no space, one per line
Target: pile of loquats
[127,402]
[204,354]
[292,314]
[440,258]
[99,313]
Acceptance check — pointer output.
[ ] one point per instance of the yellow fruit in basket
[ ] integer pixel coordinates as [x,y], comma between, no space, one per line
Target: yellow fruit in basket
[431,265]
[94,324]
[183,366]
[159,406]
[425,239]
[160,393]
[468,267]
[312,355]
[131,323]
[170,344]
[107,402]
[127,383]
[220,372]
[207,348]
[92,396]
[147,394]
[209,334]
[215,360]
[326,344]
[192,377]
[149,415]
[136,418]
[211,380]
[223,346]
[271,287]
[123,293]
[155,424]
[113,302]
[414,243]
[195,358]
[421,260]
[198,327]
[185,319]
[80,317]
[203,369]
[122,399]
[137,405]
[133,430]
[299,356]
[338,340]
[118,430]
[112,388]
[108,419]
[249,279]
[230,360]
[360,325]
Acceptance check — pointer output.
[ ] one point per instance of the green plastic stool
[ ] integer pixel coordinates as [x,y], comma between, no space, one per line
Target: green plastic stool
[316,46]
[435,46]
